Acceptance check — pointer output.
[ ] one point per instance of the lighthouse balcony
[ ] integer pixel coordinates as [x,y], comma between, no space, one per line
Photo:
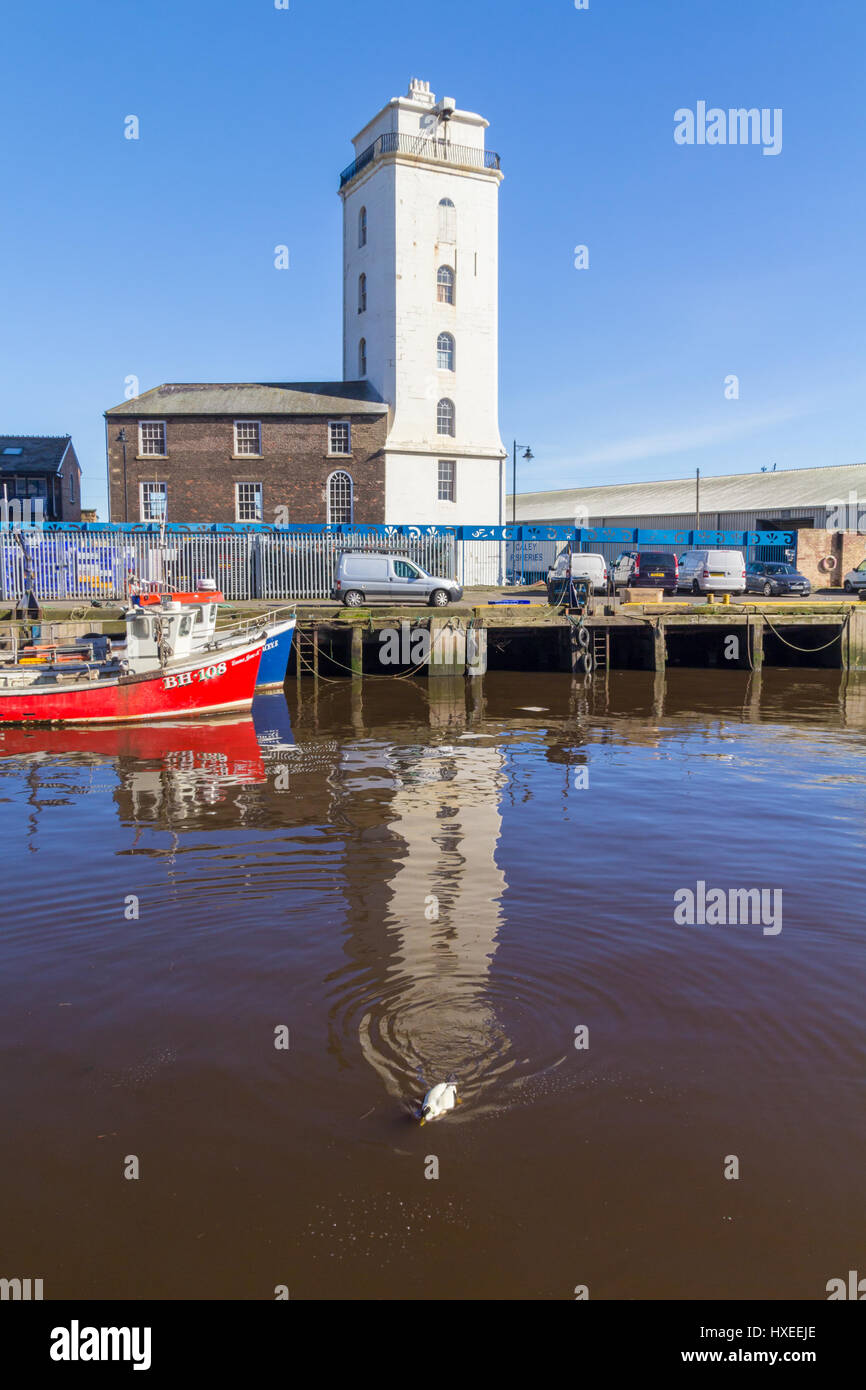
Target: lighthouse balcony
[421,147]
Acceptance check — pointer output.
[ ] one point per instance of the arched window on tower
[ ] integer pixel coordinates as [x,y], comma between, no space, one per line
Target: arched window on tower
[362,293]
[362,357]
[340,498]
[445,352]
[362,227]
[445,284]
[447,220]
[445,418]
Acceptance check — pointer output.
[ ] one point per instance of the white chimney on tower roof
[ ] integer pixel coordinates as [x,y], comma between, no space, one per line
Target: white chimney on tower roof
[420,91]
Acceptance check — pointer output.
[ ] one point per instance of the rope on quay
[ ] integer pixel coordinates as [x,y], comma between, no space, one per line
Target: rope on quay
[397,676]
[837,636]
[761,613]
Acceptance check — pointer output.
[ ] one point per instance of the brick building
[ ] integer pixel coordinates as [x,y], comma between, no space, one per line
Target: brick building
[277,452]
[40,476]
[411,434]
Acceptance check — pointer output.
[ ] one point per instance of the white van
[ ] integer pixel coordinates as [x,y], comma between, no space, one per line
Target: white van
[584,565]
[713,571]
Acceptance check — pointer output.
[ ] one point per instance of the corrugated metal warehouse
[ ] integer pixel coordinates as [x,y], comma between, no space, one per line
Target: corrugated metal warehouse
[784,500]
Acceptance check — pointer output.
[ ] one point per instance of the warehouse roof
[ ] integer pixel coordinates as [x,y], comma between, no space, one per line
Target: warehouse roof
[255,398]
[32,453]
[729,492]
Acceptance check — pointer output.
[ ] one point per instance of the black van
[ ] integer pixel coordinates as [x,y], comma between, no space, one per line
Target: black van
[649,569]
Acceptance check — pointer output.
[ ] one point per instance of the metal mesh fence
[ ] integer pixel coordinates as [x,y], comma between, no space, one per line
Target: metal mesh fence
[73,563]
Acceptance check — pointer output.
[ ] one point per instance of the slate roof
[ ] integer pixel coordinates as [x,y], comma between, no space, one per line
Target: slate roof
[729,492]
[255,398]
[39,453]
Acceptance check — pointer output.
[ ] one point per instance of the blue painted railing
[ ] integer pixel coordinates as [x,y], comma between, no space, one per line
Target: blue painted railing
[583,535]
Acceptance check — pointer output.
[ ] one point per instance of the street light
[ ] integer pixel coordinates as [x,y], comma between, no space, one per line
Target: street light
[121,439]
[528,455]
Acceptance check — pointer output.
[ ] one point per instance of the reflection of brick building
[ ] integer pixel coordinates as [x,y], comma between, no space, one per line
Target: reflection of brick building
[40,470]
[275,452]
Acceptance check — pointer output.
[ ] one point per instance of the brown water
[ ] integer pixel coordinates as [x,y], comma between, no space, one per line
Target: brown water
[283,871]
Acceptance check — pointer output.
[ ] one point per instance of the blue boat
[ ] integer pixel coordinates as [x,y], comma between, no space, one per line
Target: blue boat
[275,655]
[272,724]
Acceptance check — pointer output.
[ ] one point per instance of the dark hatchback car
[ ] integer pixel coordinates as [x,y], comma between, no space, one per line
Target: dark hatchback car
[769,577]
[654,569]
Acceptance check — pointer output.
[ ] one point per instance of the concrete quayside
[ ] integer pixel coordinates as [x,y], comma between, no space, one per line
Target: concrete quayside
[631,636]
[465,639]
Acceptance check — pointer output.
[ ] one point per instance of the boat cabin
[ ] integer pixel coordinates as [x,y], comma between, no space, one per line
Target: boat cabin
[169,627]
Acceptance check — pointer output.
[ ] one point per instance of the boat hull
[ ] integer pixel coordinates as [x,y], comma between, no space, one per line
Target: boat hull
[275,656]
[226,746]
[178,691]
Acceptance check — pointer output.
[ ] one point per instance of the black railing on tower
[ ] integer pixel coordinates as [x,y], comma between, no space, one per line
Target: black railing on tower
[424,148]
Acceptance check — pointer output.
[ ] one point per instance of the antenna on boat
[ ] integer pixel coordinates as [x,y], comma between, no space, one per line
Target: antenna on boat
[27,606]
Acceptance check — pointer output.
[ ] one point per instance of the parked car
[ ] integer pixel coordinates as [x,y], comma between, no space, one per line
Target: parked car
[584,565]
[855,579]
[713,571]
[775,577]
[655,569]
[365,576]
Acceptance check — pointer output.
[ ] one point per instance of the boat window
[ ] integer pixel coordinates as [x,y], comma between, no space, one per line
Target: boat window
[185,625]
[141,628]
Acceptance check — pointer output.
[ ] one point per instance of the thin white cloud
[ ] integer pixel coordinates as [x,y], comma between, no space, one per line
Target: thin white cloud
[647,446]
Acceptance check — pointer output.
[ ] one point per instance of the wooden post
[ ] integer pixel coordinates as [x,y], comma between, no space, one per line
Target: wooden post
[476,651]
[576,650]
[356,658]
[757,631]
[315,651]
[447,648]
[660,655]
[856,654]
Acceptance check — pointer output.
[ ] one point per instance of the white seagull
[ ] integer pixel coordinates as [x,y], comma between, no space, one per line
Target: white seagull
[439,1100]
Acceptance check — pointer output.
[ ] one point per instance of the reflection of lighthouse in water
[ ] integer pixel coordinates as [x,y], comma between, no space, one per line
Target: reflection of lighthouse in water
[434,1014]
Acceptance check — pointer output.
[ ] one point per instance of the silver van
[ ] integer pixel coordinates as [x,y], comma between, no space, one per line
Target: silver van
[707,571]
[365,576]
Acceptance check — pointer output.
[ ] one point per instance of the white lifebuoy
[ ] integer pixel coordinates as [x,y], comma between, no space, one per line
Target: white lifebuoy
[583,636]
[828,562]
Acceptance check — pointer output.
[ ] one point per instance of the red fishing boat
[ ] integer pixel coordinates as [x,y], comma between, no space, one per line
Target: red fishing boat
[168,668]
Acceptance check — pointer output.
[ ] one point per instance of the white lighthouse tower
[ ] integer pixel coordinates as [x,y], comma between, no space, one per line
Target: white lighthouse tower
[420,313]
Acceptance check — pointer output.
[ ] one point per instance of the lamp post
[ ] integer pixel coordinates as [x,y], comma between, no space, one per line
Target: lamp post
[528,455]
[121,439]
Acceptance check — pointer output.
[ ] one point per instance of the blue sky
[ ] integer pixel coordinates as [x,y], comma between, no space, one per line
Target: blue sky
[154,257]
